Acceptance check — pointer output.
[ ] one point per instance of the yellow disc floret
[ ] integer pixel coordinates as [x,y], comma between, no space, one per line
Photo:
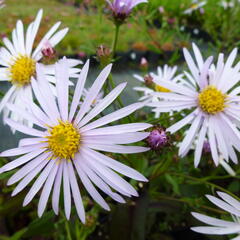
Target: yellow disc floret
[159,88]
[211,100]
[21,71]
[64,140]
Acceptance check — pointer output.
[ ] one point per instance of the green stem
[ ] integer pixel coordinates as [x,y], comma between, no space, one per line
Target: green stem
[200,180]
[114,46]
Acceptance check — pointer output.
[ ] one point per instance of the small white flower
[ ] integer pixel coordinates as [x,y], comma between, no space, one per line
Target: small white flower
[19,59]
[151,93]
[214,105]
[218,226]
[196,4]
[67,142]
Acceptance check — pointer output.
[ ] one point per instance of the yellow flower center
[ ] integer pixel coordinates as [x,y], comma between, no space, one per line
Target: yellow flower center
[22,70]
[211,100]
[159,88]
[193,6]
[64,140]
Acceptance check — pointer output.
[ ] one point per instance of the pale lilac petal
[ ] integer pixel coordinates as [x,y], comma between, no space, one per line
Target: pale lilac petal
[101,184]
[26,180]
[90,188]
[21,128]
[51,31]
[27,168]
[200,142]
[7,97]
[104,103]
[21,160]
[217,230]
[115,165]
[38,183]
[187,120]
[57,188]
[30,141]
[229,199]
[124,138]
[62,76]
[76,193]
[112,178]
[78,90]
[46,190]
[213,221]
[117,148]
[123,112]
[93,92]
[118,129]
[21,150]
[66,190]
[34,30]
[190,136]
[20,37]
[223,205]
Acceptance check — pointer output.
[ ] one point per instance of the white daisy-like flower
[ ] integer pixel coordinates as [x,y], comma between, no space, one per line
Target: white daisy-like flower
[196,4]
[69,141]
[218,226]
[166,73]
[19,59]
[214,104]
[227,4]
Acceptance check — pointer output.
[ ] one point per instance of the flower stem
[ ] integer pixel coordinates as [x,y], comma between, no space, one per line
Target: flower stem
[115,40]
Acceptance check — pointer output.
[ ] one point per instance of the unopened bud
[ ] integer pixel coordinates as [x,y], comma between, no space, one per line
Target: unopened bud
[48,51]
[158,138]
[103,54]
[144,63]
[148,80]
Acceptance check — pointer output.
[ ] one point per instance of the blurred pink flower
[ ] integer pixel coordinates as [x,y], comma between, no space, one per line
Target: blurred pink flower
[122,8]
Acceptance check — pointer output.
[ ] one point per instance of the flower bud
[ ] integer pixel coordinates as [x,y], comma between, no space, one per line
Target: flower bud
[158,138]
[47,50]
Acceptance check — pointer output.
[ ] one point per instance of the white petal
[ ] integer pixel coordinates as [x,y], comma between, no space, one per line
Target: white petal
[78,90]
[93,92]
[46,190]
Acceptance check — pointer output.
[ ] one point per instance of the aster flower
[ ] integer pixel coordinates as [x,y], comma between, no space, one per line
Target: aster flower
[196,5]
[152,85]
[213,104]
[218,226]
[19,59]
[122,8]
[69,141]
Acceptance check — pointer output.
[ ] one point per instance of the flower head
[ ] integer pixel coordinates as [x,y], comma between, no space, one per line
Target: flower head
[213,100]
[19,58]
[67,140]
[218,226]
[122,8]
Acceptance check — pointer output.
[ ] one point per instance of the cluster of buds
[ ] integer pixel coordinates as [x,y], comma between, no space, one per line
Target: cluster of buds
[121,9]
[158,138]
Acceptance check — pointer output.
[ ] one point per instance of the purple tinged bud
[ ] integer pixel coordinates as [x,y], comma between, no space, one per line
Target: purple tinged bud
[122,8]
[206,147]
[158,138]
[47,50]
